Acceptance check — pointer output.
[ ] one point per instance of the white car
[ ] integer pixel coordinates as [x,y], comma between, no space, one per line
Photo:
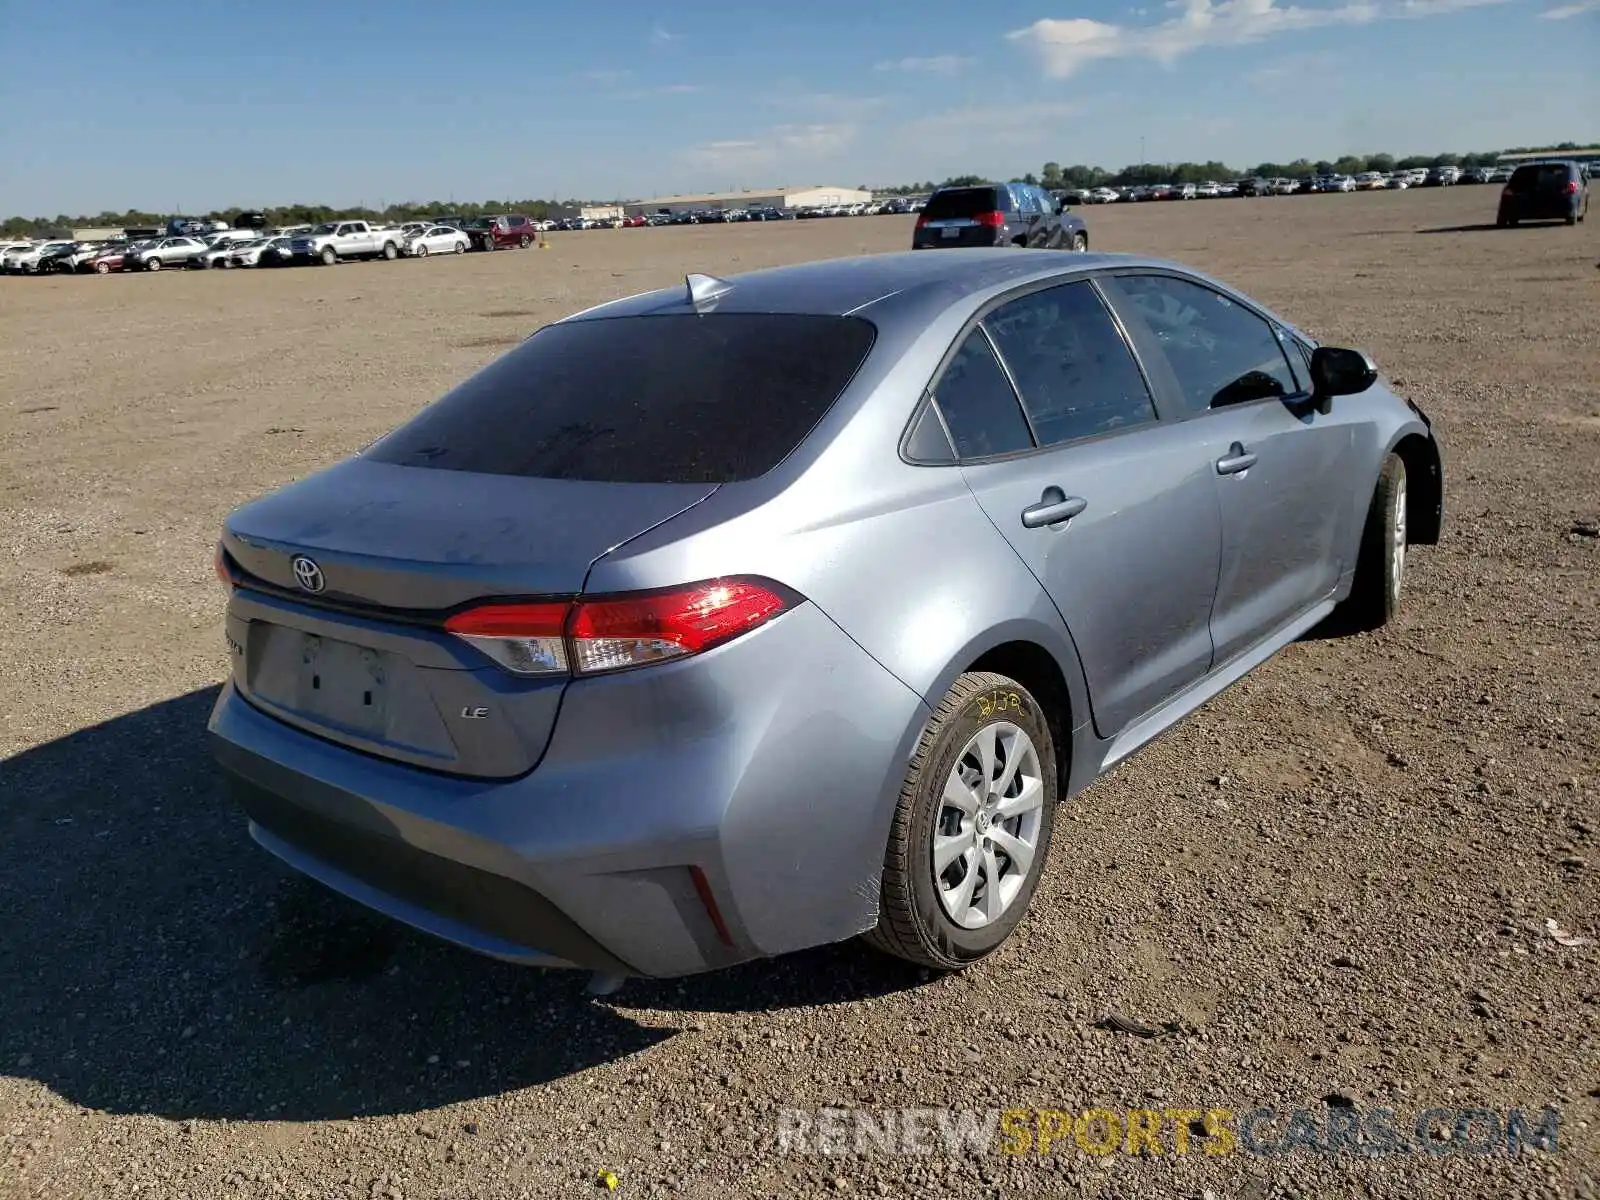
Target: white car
[267,251]
[1341,183]
[1399,181]
[26,262]
[437,239]
[1370,181]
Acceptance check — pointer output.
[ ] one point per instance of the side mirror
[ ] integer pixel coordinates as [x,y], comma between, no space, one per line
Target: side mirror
[1338,372]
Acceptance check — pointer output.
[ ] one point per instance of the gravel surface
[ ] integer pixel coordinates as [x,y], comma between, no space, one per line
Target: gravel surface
[1328,890]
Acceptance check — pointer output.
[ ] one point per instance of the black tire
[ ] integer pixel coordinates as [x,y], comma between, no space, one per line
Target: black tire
[912,922]
[329,256]
[522,242]
[1375,595]
[1572,218]
[1080,242]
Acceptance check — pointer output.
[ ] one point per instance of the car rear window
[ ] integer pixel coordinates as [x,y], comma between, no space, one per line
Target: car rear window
[1540,176]
[678,398]
[965,202]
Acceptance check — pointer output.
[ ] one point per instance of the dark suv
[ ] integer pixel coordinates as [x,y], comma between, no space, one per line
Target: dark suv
[1545,191]
[997,214]
[491,233]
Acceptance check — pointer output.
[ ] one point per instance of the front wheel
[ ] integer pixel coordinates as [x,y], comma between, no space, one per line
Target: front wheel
[152,264]
[102,268]
[522,242]
[971,832]
[329,256]
[1381,561]
[1080,242]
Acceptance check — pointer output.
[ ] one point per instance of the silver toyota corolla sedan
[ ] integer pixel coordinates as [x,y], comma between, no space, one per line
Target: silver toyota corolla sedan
[759,613]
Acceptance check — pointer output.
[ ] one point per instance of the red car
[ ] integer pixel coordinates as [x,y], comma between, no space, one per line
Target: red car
[637,221]
[493,233]
[107,261]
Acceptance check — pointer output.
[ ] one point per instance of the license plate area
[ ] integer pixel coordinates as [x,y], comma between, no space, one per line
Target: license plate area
[341,684]
[950,231]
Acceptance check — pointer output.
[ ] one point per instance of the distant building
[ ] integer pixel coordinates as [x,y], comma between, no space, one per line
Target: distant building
[814,196]
[95,235]
[601,212]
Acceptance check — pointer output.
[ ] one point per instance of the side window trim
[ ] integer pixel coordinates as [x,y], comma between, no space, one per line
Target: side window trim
[1145,337]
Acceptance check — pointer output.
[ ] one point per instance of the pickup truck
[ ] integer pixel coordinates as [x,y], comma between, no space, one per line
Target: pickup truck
[333,240]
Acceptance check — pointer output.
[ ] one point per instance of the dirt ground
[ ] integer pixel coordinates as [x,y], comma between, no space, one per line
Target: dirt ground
[1327,891]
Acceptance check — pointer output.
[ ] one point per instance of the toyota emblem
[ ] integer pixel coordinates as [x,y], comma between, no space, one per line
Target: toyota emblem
[307,574]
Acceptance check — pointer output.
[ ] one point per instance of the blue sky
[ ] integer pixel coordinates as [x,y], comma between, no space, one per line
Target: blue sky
[126,103]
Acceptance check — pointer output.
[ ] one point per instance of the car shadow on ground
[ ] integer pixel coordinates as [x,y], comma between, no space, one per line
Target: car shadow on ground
[158,962]
[1487,227]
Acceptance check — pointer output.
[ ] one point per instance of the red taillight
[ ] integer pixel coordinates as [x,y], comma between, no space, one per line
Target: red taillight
[1505,192]
[220,565]
[1572,187]
[922,220]
[994,220]
[588,637]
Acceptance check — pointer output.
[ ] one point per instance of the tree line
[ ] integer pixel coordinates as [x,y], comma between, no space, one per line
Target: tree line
[1051,175]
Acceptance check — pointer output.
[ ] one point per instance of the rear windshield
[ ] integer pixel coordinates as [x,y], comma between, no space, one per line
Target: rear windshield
[965,202]
[1540,176]
[687,398]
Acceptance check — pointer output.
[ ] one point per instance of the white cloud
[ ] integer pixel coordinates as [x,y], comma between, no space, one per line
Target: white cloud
[661,36]
[781,144]
[1567,11]
[1065,46]
[939,64]
[682,89]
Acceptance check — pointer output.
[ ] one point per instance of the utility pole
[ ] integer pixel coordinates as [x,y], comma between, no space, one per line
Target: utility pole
[1141,152]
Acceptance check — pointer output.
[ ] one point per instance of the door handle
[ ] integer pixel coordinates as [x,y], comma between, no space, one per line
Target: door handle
[1237,459]
[1054,507]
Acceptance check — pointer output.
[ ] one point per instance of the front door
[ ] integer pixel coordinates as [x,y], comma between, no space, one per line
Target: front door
[1280,468]
[1111,508]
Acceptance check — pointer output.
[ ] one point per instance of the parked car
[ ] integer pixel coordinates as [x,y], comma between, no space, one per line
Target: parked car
[437,239]
[27,260]
[268,252]
[80,256]
[1370,181]
[114,258]
[332,241]
[498,232]
[1254,186]
[742,646]
[997,214]
[1544,191]
[165,252]
[1441,177]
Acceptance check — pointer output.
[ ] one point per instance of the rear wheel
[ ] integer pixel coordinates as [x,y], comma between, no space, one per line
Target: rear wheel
[972,829]
[522,242]
[391,251]
[1080,242]
[1381,562]
[461,247]
[422,250]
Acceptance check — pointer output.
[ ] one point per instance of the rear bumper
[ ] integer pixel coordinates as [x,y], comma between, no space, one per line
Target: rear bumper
[770,765]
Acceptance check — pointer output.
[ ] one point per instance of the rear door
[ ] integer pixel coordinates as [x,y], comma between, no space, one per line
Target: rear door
[1281,470]
[1111,508]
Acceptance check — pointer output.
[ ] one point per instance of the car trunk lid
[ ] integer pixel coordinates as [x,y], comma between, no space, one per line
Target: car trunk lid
[337,627]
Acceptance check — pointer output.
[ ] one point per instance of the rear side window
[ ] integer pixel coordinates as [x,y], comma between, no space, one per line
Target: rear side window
[979,405]
[954,203]
[679,398]
[1076,375]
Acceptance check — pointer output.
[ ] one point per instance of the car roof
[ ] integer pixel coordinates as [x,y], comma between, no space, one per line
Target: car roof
[923,283]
